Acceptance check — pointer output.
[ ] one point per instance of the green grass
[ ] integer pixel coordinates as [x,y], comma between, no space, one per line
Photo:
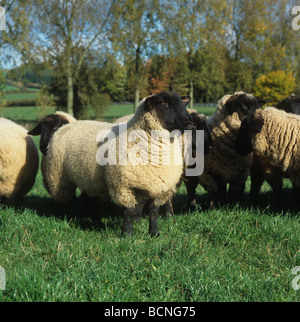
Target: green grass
[241,253]
[20,96]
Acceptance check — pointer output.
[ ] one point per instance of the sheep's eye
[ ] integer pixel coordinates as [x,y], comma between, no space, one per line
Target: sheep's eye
[164,104]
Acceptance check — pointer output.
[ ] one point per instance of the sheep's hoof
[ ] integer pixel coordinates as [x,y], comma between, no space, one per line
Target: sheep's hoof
[154,234]
[192,206]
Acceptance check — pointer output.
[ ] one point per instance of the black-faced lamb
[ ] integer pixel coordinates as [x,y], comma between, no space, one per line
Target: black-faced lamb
[18,161]
[71,159]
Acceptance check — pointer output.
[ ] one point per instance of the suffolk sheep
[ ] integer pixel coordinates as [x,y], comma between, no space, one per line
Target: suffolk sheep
[46,127]
[223,164]
[18,161]
[200,124]
[263,169]
[73,150]
[273,134]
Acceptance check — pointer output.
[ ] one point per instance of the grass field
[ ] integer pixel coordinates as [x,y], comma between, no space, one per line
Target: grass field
[240,253]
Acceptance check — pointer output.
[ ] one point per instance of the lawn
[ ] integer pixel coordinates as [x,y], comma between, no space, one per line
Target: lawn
[238,253]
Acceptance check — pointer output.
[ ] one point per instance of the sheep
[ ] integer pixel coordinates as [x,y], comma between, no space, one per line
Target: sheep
[46,127]
[223,164]
[72,160]
[200,123]
[18,161]
[263,169]
[273,133]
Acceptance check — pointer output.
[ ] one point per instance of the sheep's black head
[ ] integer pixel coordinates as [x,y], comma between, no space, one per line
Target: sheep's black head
[251,125]
[200,123]
[243,103]
[171,109]
[290,104]
[46,128]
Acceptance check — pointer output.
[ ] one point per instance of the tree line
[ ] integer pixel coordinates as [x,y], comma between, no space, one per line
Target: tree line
[89,52]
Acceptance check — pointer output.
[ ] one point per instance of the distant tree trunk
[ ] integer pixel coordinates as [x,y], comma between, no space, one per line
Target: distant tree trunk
[191,93]
[136,98]
[138,76]
[70,96]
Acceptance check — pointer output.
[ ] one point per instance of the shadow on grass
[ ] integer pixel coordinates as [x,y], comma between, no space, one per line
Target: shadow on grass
[265,203]
[98,217]
[85,215]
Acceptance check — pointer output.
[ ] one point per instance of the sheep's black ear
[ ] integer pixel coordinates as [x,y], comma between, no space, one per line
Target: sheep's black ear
[185,100]
[36,130]
[250,125]
[243,143]
[63,121]
[150,102]
[261,102]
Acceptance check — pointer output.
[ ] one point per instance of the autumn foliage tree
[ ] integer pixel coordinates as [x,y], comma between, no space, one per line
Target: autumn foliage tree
[275,86]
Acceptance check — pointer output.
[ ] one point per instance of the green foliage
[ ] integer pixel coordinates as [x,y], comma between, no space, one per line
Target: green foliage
[275,86]
[45,102]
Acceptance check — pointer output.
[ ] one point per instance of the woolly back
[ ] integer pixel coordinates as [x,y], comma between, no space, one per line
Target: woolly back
[278,137]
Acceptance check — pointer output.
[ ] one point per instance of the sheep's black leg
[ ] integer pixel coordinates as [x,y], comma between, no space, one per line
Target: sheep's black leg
[129,215]
[153,216]
[138,210]
[191,185]
[3,200]
[168,208]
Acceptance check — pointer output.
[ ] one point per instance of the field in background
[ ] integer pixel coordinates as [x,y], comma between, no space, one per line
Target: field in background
[240,253]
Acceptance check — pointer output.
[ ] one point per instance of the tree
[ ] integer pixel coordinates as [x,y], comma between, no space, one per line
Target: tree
[16,35]
[63,27]
[275,86]
[133,34]
[194,34]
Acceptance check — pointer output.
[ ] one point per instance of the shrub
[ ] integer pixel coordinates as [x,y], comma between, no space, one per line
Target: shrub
[275,86]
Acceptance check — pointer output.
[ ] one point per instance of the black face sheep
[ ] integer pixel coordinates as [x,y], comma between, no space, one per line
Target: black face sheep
[224,165]
[18,161]
[46,127]
[131,182]
[273,134]
[200,124]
